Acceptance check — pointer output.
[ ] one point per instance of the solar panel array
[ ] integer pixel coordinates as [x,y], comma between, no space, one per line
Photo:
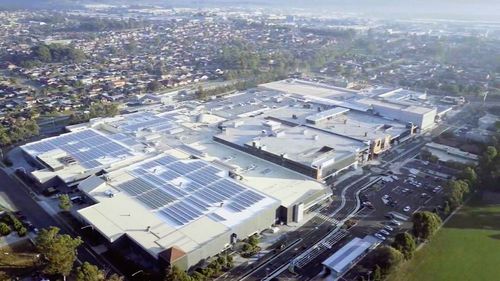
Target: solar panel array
[146,121]
[203,186]
[86,146]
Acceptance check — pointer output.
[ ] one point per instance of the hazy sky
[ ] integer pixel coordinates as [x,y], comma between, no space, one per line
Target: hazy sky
[490,9]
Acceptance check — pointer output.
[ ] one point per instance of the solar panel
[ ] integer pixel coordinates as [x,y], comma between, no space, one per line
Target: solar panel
[180,167]
[175,220]
[216,217]
[197,202]
[203,177]
[136,186]
[167,159]
[230,186]
[235,207]
[168,175]
[209,196]
[195,165]
[179,193]
[85,146]
[156,199]
[191,186]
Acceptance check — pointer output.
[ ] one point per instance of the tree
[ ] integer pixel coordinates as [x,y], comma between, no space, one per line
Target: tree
[22,231]
[489,154]
[201,94]
[154,86]
[246,247]
[405,243]
[198,276]
[469,175]
[4,136]
[65,202]
[387,259]
[4,229]
[253,240]
[42,53]
[455,192]
[425,224]
[446,207]
[58,250]
[174,273]
[115,277]
[377,273]
[89,272]
[4,276]
[216,268]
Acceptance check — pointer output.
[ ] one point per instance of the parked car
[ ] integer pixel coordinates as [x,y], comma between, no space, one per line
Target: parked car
[407,208]
[50,191]
[385,232]
[380,236]
[388,228]
[396,222]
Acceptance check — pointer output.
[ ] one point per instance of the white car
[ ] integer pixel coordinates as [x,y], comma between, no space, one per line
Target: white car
[380,236]
[407,208]
[388,228]
[385,232]
[395,222]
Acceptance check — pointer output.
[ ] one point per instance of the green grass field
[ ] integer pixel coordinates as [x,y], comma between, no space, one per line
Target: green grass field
[466,248]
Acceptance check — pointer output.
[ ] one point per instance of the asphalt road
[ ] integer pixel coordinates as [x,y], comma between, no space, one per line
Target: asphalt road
[24,200]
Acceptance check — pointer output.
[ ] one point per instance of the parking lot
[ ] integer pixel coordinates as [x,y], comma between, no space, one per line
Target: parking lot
[391,201]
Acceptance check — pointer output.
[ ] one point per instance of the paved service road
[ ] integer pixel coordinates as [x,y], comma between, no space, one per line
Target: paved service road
[24,200]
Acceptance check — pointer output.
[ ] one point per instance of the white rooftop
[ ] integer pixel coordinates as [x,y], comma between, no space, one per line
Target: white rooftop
[343,258]
[308,88]
[273,180]
[170,200]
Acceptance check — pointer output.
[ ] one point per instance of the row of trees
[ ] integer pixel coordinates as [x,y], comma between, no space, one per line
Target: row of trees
[387,259]
[425,224]
[19,130]
[59,253]
[96,109]
[489,168]
[48,53]
[216,266]
[9,223]
[104,24]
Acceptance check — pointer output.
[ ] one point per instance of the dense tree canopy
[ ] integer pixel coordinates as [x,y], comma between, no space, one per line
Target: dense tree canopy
[489,169]
[455,191]
[425,224]
[65,202]
[387,258]
[89,272]
[469,175]
[405,243]
[58,250]
[176,274]
[20,130]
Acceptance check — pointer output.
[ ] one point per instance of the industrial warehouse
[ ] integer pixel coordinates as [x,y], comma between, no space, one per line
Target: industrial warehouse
[175,204]
[184,181]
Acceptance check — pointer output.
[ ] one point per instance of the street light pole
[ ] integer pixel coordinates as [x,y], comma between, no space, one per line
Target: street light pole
[137,272]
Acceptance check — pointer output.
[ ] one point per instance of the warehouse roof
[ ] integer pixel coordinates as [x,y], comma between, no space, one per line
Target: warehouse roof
[87,147]
[300,144]
[273,180]
[308,88]
[341,260]
[168,201]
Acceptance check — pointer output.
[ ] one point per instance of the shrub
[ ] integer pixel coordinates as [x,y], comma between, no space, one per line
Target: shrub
[4,229]
[22,231]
